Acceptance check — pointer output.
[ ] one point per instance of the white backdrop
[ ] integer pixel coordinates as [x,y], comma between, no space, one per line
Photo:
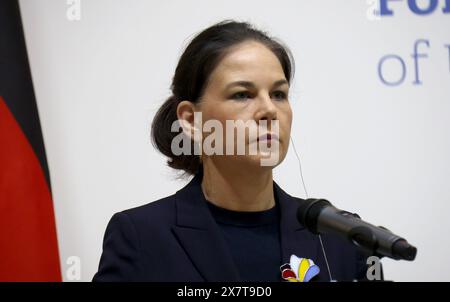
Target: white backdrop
[374,149]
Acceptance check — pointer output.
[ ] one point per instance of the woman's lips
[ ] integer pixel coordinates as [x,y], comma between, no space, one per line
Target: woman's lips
[268,137]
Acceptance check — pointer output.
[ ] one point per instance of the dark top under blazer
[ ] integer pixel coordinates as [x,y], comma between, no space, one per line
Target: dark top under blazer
[177,239]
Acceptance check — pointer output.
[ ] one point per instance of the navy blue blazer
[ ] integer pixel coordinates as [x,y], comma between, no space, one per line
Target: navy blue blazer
[177,239]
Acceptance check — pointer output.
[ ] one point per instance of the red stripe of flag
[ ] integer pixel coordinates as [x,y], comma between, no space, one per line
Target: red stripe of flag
[28,245]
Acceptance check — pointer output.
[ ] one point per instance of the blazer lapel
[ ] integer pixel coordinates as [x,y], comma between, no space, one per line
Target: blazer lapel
[200,235]
[295,238]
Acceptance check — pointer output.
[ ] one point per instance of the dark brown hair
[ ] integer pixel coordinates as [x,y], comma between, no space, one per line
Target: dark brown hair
[196,64]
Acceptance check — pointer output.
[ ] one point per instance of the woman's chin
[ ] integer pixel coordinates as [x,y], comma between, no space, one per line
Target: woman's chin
[261,160]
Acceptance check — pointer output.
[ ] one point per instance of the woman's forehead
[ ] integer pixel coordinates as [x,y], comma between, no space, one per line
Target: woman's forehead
[250,61]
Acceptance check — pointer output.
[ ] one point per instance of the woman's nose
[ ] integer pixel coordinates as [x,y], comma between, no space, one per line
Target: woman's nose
[266,109]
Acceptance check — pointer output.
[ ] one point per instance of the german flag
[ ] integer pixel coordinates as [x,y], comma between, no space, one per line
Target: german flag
[28,242]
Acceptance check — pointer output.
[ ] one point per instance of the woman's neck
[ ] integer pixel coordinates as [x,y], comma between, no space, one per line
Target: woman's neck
[238,189]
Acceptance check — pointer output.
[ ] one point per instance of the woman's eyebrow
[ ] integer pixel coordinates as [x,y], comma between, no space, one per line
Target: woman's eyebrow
[252,85]
[280,82]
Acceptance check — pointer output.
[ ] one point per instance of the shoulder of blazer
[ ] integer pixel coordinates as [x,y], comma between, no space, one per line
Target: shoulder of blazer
[162,211]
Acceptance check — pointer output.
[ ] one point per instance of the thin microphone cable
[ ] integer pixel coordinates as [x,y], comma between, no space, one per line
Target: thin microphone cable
[307,196]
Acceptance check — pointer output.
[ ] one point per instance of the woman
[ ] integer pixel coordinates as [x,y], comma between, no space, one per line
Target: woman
[232,222]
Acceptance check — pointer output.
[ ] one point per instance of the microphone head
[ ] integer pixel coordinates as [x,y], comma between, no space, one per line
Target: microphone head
[403,250]
[308,212]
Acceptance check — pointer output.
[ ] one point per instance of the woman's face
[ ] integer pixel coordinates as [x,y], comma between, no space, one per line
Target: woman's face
[248,84]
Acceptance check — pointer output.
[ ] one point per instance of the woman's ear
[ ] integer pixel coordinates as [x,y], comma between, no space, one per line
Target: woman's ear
[186,118]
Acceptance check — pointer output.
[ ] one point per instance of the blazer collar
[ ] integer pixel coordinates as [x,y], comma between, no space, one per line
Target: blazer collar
[202,239]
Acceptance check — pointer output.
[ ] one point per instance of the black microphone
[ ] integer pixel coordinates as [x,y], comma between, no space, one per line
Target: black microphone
[320,217]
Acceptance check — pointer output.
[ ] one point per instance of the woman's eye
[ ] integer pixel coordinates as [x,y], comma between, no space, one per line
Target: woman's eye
[279,95]
[241,95]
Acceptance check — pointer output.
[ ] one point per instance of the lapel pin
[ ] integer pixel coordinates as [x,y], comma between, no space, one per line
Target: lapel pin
[299,269]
